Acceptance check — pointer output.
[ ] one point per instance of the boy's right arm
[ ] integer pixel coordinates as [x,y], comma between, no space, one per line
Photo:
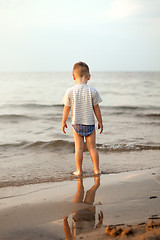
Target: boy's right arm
[97,112]
[66,111]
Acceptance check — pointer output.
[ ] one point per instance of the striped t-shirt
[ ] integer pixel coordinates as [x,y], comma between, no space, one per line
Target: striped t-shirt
[81,98]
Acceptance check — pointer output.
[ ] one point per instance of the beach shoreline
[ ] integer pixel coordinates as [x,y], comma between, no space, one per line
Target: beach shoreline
[82,207]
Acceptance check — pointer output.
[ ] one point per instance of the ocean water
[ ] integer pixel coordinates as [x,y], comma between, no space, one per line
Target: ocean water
[33,148]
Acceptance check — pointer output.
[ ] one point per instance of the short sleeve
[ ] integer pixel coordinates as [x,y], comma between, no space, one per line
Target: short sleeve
[66,99]
[96,97]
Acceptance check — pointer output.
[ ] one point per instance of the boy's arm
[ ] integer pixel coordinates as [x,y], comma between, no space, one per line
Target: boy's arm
[66,111]
[97,112]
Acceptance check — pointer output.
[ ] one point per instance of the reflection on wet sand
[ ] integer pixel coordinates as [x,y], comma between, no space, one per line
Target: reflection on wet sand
[84,220]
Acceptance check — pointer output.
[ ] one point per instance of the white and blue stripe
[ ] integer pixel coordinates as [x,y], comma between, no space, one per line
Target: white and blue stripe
[81,98]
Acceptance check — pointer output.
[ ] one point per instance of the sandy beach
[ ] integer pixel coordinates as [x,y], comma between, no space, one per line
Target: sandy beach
[83,208]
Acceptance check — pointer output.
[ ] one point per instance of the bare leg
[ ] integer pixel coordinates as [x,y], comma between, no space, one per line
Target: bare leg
[91,145]
[67,230]
[79,146]
[90,194]
[80,191]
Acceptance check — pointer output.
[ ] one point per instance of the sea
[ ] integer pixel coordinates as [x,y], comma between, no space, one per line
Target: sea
[33,148]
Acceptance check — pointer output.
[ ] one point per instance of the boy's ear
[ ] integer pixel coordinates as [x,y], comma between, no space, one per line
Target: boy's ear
[89,76]
[74,78]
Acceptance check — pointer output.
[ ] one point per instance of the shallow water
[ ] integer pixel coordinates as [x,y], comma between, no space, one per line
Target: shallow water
[33,147]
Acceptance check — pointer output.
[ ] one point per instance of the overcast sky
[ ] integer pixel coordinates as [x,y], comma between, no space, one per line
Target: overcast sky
[51,35]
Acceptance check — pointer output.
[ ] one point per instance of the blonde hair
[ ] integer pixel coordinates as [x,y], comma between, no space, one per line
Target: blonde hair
[81,69]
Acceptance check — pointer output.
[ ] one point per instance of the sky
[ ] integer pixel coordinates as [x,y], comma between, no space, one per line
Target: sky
[51,35]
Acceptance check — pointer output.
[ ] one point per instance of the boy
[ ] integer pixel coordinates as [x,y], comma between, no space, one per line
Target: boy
[83,101]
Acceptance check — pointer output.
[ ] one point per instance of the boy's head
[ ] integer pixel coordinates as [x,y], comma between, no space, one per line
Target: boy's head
[80,70]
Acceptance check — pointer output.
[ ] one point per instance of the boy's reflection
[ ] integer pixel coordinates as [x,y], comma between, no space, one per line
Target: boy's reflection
[84,220]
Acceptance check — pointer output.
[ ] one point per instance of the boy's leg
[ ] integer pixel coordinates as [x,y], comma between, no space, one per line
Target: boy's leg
[79,146]
[90,194]
[91,145]
[80,191]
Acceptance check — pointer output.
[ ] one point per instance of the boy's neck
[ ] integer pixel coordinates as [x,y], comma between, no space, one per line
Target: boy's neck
[81,80]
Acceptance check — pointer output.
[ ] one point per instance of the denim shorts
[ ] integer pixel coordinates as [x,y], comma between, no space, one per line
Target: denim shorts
[84,130]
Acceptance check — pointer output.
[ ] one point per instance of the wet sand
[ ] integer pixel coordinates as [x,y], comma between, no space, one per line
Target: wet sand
[113,206]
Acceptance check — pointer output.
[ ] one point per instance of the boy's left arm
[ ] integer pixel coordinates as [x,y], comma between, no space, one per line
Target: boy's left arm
[66,111]
[97,112]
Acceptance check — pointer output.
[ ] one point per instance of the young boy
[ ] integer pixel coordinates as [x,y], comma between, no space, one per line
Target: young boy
[83,101]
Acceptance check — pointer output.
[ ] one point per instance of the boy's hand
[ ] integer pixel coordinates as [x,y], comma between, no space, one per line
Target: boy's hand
[66,111]
[100,126]
[64,125]
[97,112]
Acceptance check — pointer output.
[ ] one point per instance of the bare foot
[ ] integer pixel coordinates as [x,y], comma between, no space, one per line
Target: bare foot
[77,173]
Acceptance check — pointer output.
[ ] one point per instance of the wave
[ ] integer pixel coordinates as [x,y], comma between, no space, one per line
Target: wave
[120,107]
[136,111]
[14,117]
[12,145]
[33,105]
[51,145]
[149,115]
[60,145]
[19,117]
[126,147]
[126,107]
